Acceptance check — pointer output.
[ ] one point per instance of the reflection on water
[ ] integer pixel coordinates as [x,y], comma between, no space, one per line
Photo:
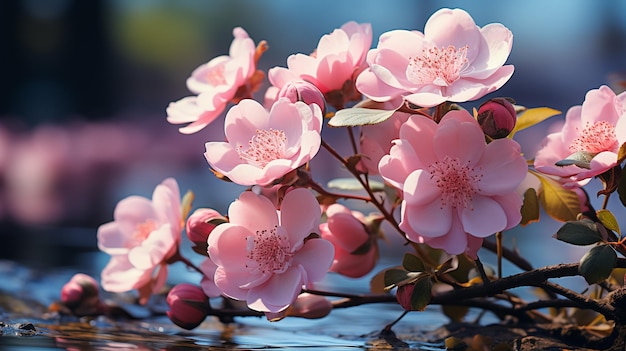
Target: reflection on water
[345,329]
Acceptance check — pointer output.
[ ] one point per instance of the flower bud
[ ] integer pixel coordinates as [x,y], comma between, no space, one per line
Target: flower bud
[311,306]
[79,288]
[307,305]
[188,304]
[200,224]
[81,295]
[300,90]
[497,117]
[403,295]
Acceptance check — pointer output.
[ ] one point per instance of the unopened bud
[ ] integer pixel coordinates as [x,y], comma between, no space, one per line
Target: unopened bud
[300,90]
[307,305]
[81,295]
[188,304]
[403,295]
[497,117]
[200,225]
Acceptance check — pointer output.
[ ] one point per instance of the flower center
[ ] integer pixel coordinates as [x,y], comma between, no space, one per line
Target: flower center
[457,182]
[215,76]
[269,251]
[264,147]
[439,66]
[595,138]
[143,230]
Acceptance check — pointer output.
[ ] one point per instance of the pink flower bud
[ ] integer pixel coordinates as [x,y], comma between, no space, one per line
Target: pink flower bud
[300,90]
[310,306]
[188,304]
[307,305]
[81,296]
[497,117]
[403,295]
[79,288]
[200,224]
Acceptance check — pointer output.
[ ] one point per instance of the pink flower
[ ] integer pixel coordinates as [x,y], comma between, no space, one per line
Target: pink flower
[453,60]
[265,256]
[355,253]
[593,132]
[456,189]
[376,139]
[262,147]
[338,59]
[142,236]
[216,83]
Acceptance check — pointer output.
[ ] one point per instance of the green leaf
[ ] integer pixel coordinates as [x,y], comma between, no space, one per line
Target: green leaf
[451,264]
[581,159]
[394,276]
[621,153]
[358,116]
[412,263]
[532,116]
[353,184]
[621,188]
[559,203]
[597,264]
[608,220]
[582,233]
[422,293]
[186,205]
[530,207]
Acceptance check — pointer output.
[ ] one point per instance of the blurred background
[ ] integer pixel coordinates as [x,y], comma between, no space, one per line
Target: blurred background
[84,87]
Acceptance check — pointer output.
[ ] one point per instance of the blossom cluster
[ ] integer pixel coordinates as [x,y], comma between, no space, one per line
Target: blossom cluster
[450,177]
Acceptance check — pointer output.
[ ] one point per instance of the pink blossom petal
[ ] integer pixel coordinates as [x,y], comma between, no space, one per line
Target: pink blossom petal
[300,215]
[599,105]
[459,136]
[222,154]
[242,121]
[407,43]
[429,220]
[369,84]
[419,131]
[499,41]
[153,249]
[278,293]
[453,27]
[501,168]
[111,240]
[474,220]
[207,283]
[347,231]
[190,109]
[132,211]
[227,246]
[511,204]
[393,167]
[166,202]
[420,189]
[119,275]
[426,98]
[253,212]
[229,282]
[570,130]
[454,242]
[315,257]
